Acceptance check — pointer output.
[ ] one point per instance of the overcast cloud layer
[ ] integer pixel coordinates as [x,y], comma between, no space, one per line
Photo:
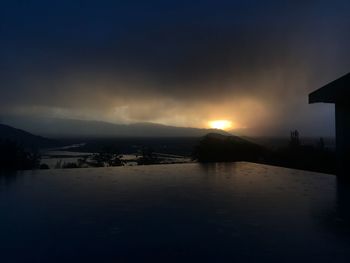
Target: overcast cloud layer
[174,62]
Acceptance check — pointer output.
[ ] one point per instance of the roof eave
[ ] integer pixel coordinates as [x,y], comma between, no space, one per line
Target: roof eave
[322,95]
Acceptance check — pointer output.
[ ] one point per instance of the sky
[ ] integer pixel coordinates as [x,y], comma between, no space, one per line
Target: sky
[182,63]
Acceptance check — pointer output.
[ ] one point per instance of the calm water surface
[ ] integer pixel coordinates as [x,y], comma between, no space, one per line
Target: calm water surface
[234,212]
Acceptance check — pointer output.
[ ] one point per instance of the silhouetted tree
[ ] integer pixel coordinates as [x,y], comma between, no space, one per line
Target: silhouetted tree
[320,144]
[305,157]
[58,164]
[105,159]
[294,139]
[14,156]
[70,165]
[44,166]
[147,156]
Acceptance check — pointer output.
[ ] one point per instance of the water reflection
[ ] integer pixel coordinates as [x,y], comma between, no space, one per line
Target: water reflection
[190,212]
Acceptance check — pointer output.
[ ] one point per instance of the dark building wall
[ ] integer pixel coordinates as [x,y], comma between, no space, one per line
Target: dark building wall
[342,112]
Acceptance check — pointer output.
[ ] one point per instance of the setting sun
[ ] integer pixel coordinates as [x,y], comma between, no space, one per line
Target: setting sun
[220,124]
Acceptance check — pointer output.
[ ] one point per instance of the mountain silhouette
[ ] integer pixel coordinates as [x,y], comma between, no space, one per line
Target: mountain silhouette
[222,148]
[25,139]
[72,128]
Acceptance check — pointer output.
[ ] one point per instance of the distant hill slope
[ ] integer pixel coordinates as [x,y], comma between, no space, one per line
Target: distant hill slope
[26,139]
[70,128]
[218,148]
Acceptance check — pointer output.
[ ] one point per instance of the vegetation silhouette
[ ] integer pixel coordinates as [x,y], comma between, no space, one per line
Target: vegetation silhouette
[147,156]
[220,148]
[13,156]
[107,156]
[294,139]
[103,159]
[44,166]
[302,156]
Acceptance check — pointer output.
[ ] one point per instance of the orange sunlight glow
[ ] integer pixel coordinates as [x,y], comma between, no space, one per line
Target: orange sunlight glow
[220,124]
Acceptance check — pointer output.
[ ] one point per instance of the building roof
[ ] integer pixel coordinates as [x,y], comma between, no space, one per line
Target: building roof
[336,91]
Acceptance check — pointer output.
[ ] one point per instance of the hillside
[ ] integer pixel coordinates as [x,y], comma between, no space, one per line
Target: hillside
[70,128]
[221,148]
[26,139]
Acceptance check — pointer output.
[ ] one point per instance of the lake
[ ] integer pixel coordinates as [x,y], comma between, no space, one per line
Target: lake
[224,212]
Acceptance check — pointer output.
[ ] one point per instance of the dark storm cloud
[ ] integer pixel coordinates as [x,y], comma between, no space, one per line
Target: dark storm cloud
[186,55]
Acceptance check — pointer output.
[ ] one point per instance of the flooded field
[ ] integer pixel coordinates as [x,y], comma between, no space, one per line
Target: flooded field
[63,157]
[228,212]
